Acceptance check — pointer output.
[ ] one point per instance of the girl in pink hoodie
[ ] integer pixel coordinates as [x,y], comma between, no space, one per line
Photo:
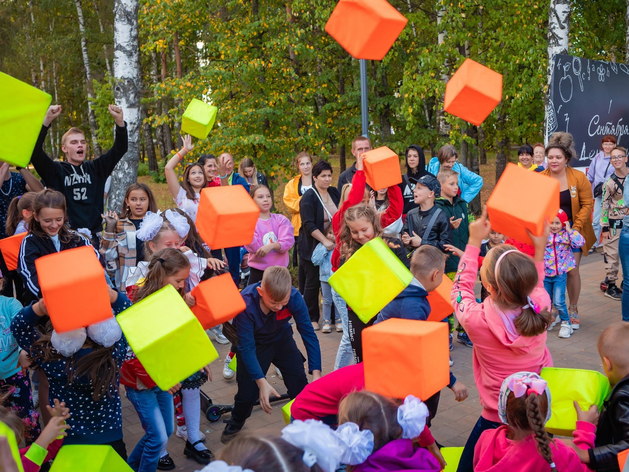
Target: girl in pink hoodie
[272,239]
[508,328]
[522,442]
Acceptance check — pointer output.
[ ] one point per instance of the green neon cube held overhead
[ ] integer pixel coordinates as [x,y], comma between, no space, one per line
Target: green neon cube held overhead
[22,111]
[198,119]
[586,387]
[166,337]
[89,458]
[370,279]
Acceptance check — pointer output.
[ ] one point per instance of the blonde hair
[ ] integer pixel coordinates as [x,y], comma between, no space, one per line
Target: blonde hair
[348,245]
[277,282]
[164,263]
[511,284]
[612,343]
[72,130]
[445,174]
[166,226]
[345,193]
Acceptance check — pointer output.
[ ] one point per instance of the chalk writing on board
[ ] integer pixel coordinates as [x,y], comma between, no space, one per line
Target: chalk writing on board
[588,99]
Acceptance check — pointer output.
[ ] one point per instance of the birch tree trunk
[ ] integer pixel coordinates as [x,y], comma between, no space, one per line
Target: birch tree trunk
[102,32]
[88,77]
[559,14]
[127,89]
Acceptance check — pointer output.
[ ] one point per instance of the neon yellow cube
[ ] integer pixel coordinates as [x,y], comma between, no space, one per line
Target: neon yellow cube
[286,411]
[89,458]
[198,119]
[587,387]
[166,337]
[22,111]
[452,456]
[233,365]
[15,452]
[370,279]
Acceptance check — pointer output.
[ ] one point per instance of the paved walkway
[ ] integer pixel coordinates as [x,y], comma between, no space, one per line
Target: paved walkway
[454,420]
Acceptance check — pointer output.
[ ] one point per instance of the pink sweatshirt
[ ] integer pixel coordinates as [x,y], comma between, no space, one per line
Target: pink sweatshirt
[499,350]
[277,229]
[494,452]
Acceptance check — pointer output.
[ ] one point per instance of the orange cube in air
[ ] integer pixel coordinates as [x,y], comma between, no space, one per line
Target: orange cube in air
[227,216]
[522,200]
[218,301]
[382,168]
[365,28]
[622,458]
[420,354]
[74,289]
[439,299]
[473,92]
[10,248]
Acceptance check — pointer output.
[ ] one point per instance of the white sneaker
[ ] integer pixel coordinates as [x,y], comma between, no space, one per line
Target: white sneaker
[228,372]
[554,322]
[279,374]
[217,334]
[182,432]
[451,362]
[566,329]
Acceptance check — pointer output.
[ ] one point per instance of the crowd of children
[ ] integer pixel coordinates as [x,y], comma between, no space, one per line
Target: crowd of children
[336,422]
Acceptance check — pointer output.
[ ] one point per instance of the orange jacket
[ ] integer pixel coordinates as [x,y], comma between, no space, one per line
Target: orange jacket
[291,200]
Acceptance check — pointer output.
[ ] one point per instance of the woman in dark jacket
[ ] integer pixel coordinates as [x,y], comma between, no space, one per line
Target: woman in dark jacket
[316,207]
[415,168]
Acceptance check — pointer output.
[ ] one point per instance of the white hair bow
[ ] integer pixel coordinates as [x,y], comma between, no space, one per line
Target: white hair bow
[150,226]
[319,443]
[222,466]
[179,222]
[411,416]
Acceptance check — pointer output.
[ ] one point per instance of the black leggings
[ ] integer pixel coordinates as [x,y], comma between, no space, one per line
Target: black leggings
[356,326]
[311,288]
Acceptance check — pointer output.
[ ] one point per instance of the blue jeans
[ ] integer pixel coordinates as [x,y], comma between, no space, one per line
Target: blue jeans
[344,354]
[466,463]
[156,411]
[556,288]
[326,292]
[234,258]
[623,253]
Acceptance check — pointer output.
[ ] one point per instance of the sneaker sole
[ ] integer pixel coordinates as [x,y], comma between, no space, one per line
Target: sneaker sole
[224,341]
[465,344]
[193,456]
[576,326]
[613,298]
[565,337]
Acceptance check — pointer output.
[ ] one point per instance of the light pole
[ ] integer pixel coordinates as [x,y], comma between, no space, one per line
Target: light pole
[364,111]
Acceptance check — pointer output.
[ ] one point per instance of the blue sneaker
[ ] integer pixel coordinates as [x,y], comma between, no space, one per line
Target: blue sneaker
[463,338]
[451,347]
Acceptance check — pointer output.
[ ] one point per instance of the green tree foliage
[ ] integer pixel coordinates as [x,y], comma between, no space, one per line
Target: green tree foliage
[283,85]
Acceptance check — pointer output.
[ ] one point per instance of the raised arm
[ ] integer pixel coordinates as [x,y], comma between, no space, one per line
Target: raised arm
[169,169]
[104,165]
[43,164]
[32,184]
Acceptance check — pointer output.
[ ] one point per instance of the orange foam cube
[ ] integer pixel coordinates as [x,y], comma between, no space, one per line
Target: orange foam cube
[365,28]
[382,168]
[622,458]
[74,288]
[420,350]
[218,301]
[227,216]
[439,299]
[473,92]
[521,201]
[10,248]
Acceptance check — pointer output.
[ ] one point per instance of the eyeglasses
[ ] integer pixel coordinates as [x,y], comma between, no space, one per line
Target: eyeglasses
[617,158]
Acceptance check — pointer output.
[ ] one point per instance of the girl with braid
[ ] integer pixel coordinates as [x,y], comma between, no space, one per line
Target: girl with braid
[522,443]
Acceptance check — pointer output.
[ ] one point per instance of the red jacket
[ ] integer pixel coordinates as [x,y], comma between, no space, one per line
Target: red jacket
[355,196]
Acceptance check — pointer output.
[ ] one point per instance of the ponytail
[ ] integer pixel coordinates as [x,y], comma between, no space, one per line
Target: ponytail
[537,420]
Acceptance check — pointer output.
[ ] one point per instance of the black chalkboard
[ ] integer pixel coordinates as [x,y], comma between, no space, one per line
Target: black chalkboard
[588,99]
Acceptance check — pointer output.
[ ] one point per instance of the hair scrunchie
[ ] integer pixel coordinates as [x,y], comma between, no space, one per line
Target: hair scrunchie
[179,222]
[411,416]
[150,226]
[320,444]
[222,466]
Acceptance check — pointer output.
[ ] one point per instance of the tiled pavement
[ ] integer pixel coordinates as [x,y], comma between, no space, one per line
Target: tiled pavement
[454,420]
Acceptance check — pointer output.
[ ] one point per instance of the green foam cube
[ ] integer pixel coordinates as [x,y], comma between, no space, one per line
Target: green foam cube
[166,337]
[22,111]
[586,387]
[89,458]
[198,119]
[370,279]
[15,452]
[286,411]
[452,456]
[233,365]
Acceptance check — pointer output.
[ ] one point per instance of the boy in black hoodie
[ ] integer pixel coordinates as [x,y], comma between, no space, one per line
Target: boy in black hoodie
[426,224]
[612,432]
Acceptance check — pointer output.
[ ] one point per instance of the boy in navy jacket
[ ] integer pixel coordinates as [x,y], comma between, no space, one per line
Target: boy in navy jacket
[264,337]
[427,267]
